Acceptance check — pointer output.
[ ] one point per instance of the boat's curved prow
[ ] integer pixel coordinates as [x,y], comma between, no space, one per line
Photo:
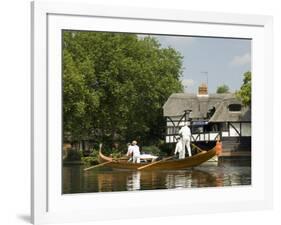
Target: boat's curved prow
[103,158]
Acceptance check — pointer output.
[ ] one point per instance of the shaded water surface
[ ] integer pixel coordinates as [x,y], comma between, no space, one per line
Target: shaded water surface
[227,173]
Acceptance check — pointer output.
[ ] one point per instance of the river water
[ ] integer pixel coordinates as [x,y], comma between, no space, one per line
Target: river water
[103,179]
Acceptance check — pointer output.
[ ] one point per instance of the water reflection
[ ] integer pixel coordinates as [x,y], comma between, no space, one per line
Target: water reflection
[178,180]
[75,180]
[134,181]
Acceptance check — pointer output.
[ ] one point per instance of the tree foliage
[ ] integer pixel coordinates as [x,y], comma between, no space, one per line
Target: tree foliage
[114,86]
[244,94]
[222,89]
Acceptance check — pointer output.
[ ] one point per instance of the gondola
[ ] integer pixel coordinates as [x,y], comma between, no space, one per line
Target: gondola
[165,164]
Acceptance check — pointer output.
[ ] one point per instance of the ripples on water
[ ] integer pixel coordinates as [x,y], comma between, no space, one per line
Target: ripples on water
[228,173]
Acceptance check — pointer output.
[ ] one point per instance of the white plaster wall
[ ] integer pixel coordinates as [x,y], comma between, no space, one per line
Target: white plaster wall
[246,129]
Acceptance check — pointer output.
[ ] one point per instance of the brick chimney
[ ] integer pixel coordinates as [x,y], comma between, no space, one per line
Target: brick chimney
[203,89]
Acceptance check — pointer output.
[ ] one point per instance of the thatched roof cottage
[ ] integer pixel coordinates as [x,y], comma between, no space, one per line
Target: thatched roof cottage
[210,116]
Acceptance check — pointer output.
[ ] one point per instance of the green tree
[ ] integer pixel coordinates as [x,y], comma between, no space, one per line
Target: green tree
[244,94]
[114,86]
[222,89]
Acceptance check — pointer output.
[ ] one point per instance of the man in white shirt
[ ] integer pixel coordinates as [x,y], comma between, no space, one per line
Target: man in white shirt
[135,152]
[185,134]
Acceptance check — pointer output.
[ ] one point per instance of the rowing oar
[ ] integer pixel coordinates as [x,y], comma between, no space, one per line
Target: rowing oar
[101,164]
[201,150]
[153,163]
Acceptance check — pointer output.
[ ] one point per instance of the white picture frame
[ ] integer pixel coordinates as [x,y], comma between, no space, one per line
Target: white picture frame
[49,205]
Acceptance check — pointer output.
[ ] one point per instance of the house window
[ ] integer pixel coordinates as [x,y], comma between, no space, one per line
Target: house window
[234,107]
[169,130]
[197,129]
[223,126]
[172,130]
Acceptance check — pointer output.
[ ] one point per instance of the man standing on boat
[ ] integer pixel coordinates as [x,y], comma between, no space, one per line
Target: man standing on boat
[135,151]
[185,134]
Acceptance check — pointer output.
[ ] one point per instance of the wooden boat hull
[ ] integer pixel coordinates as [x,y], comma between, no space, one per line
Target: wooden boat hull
[175,164]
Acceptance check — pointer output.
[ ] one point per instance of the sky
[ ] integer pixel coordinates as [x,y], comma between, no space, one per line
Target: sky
[215,61]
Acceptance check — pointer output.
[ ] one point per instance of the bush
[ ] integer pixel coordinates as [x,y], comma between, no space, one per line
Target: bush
[73,155]
[95,153]
[166,148]
[115,153]
[89,161]
[92,159]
